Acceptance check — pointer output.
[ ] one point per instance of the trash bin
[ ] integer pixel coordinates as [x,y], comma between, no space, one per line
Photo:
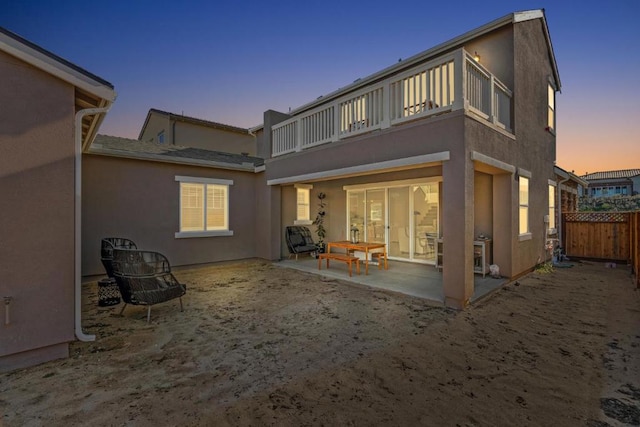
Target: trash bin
[108,293]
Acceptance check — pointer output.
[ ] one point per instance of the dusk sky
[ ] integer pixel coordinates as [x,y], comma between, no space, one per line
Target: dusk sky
[230,61]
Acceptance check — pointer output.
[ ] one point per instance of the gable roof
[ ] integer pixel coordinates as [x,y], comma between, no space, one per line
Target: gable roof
[135,149]
[91,91]
[511,18]
[191,120]
[619,174]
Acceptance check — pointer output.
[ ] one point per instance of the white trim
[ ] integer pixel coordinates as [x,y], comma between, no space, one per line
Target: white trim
[361,169]
[210,233]
[260,168]
[482,158]
[200,180]
[302,222]
[527,15]
[304,186]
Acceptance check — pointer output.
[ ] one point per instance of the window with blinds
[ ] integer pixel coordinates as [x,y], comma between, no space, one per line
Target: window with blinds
[524,204]
[204,207]
[303,201]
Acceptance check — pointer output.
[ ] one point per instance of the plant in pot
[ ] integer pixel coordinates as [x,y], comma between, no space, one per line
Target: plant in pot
[319,222]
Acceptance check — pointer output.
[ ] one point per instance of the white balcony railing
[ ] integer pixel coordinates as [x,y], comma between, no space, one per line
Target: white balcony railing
[448,83]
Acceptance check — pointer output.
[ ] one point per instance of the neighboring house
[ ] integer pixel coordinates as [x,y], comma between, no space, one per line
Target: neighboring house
[175,129]
[612,183]
[50,110]
[458,140]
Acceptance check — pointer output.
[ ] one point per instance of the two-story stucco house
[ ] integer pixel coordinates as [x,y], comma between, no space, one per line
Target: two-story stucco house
[163,127]
[458,140]
[454,143]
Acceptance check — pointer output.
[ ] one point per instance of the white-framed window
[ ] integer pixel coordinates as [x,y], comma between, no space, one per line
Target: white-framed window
[204,207]
[552,208]
[551,110]
[523,201]
[161,137]
[303,204]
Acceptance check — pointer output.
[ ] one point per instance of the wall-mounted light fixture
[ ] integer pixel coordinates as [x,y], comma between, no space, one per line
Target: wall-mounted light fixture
[476,56]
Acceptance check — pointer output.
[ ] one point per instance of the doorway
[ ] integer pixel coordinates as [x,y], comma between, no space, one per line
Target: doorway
[400,214]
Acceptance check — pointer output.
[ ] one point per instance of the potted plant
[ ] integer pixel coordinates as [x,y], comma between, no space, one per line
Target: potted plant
[319,222]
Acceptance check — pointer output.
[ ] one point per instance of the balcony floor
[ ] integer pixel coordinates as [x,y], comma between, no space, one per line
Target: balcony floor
[419,280]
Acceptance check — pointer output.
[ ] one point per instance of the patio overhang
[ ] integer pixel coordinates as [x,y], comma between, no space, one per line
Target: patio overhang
[366,169]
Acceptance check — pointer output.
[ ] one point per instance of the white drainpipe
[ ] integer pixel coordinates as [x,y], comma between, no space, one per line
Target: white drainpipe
[78,220]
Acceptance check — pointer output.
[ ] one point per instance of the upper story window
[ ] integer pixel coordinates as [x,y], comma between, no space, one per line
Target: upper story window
[523,201]
[303,210]
[161,137]
[551,115]
[204,207]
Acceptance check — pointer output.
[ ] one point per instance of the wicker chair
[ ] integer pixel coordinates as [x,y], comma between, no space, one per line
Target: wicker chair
[106,251]
[299,240]
[144,278]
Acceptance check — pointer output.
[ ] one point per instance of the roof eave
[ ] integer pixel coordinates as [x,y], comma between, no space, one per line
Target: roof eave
[26,51]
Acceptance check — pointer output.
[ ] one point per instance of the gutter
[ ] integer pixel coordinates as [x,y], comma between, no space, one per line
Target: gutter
[78,220]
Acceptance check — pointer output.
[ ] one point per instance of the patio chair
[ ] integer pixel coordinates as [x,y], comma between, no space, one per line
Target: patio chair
[106,251]
[299,240]
[145,278]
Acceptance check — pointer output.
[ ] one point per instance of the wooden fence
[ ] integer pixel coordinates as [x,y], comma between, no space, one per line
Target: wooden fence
[611,236]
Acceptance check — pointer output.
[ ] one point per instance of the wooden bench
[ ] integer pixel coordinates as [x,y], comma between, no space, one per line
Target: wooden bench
[349,259]
[379,257]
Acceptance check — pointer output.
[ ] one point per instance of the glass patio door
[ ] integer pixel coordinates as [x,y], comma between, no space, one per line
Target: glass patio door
[401,216]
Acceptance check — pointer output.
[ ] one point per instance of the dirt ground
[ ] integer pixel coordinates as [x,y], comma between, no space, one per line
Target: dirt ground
[259,344]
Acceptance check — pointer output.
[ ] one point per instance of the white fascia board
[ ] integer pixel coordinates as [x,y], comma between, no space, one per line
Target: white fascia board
[364,169]
[528,15]
[40,60]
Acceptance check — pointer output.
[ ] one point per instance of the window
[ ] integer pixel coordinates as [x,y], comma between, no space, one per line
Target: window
[204,207]
[551,118]
[303,212]
[524,205]
[161,137]
[552,208]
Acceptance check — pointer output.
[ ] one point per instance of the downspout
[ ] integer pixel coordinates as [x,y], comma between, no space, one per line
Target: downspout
[78,220]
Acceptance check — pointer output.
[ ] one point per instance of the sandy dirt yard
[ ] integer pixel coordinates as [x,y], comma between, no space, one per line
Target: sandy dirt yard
[259,344]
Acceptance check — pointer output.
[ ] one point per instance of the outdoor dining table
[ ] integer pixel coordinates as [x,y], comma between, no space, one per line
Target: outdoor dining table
[365,247]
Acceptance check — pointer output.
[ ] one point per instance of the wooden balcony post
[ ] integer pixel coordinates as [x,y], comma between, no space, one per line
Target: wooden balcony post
[460,72]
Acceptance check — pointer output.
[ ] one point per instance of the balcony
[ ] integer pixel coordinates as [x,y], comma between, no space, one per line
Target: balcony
[451,82]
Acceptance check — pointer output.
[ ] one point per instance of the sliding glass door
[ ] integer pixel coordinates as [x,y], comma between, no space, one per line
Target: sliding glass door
[398,214]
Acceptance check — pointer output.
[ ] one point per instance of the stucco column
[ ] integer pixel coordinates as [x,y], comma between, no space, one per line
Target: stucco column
[503,223]
[457,226]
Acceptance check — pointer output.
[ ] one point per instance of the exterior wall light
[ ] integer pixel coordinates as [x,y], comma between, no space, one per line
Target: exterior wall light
[476,56]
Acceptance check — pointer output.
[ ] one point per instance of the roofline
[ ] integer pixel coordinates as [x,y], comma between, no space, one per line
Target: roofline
[193,120]
[439,49]
[163,158]
[51,63]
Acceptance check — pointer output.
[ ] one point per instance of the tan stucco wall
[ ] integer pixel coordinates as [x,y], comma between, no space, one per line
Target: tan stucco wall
[177,132]
[139,200]
[37,204]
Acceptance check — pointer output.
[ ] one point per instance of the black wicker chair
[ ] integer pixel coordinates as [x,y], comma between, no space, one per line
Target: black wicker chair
[144,278]
[299,240]
[106,251]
